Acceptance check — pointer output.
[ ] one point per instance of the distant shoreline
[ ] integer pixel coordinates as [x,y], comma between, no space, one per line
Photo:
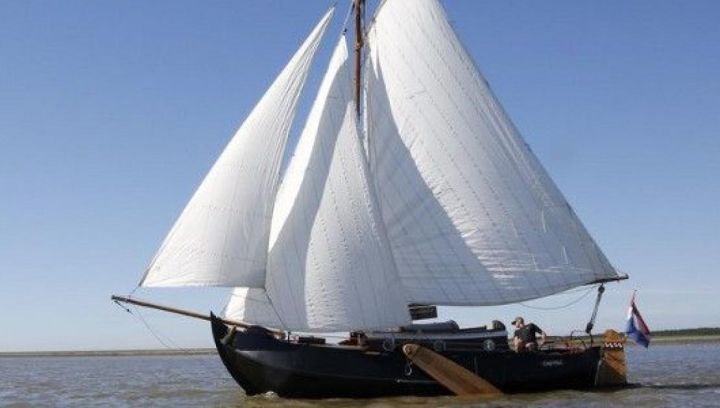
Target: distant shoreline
[656,340]
[111,353]
[683,339]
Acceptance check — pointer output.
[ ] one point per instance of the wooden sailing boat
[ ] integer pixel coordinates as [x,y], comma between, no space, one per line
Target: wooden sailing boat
[408,186]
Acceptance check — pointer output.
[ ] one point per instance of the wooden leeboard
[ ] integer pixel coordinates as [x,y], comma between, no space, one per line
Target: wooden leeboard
[453,376]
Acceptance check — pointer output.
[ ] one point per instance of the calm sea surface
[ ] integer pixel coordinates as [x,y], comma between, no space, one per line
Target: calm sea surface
[667,375]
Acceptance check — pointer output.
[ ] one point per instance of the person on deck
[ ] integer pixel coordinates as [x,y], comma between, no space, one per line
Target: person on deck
[525,338]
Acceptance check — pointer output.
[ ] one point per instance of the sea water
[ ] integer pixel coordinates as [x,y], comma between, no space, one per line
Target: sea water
[665,375]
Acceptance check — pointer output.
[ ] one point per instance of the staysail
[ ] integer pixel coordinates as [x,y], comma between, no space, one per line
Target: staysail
[471,215]
[221,237]
[330,266]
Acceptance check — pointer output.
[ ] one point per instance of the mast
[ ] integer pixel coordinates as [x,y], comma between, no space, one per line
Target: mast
[359,7]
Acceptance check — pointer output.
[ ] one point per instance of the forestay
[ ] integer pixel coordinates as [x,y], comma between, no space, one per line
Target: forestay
[221,237]
[471,215]
[330,266]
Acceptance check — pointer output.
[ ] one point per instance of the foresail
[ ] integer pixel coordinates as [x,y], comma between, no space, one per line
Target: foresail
[221,237]
[330,267]
[252,305]
[471,215]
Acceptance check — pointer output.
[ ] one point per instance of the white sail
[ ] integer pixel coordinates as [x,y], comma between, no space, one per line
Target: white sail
[330,267]
[252,305]
[472,217]
[221,237]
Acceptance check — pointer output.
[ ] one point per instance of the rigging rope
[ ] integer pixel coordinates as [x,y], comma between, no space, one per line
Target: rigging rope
[587,292]
[139,317]
[167,342]
[347,17]
[155,334]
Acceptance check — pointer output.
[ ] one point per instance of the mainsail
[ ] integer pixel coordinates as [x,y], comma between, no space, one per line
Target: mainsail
[221,237]
[472,217]
[445,204]
[330,266]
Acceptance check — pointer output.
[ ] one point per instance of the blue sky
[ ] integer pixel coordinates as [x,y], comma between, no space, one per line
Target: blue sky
[112,112]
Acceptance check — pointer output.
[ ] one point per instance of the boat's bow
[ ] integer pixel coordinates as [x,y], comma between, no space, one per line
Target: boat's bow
[224,337]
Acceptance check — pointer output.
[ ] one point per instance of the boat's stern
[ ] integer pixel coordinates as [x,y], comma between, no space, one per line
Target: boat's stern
[612,368]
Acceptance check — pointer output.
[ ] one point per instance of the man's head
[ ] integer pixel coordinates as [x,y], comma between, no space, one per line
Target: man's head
[518,322]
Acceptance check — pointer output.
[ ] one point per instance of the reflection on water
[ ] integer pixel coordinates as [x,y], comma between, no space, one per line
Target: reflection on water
[672,375]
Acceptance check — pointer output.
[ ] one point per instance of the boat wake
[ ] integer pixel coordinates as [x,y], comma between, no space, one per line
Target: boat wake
[681,387]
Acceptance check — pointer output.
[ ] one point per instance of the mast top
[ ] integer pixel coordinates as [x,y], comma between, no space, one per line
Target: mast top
[359,7]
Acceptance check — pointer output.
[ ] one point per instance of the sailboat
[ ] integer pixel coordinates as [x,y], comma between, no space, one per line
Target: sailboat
[409,188]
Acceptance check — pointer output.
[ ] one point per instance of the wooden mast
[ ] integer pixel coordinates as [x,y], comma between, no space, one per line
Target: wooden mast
[359,7]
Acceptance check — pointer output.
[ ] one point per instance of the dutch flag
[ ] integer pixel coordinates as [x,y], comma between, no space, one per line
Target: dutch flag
[636,328]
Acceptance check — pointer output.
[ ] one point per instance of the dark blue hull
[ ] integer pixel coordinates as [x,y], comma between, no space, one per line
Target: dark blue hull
[261,363]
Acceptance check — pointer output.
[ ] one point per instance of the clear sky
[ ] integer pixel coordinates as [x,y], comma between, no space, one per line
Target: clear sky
[112,112]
